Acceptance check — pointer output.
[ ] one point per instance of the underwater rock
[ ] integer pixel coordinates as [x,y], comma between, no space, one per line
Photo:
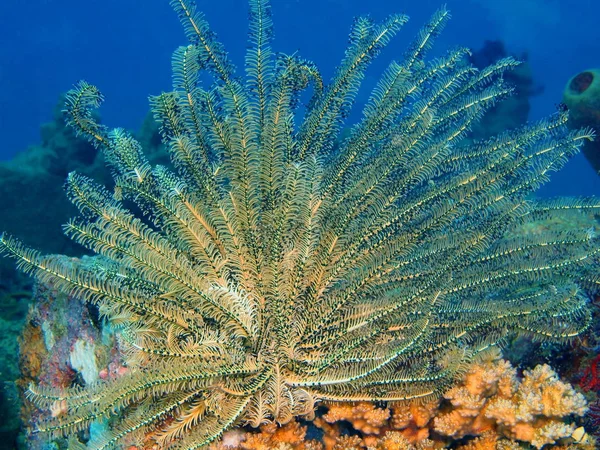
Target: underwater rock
[62,345]
[513,111]
[31,184]
[582,97]
[31,187]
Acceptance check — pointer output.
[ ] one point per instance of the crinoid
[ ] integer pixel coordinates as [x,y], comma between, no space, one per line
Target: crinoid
[277,265]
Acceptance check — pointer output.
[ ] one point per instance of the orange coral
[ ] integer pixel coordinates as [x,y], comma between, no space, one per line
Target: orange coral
[413,419]
[349,443]
[363,416]
[491,406]
[487,441]
[291,436]
[492,398]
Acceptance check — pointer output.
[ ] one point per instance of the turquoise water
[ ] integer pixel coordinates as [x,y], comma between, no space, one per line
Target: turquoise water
[125,49]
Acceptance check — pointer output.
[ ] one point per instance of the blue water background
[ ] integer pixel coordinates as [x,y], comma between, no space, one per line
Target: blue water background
[125,47]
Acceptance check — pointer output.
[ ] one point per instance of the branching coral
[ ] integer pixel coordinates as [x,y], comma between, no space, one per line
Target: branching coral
[364,417]
[493,398]
[289,436]
[490,408]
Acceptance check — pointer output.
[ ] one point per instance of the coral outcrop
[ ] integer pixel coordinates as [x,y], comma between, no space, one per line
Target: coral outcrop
[512,112]
[582,97]
[493,398]
[490,407]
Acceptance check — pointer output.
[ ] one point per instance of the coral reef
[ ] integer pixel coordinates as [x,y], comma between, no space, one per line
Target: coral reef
[31,191]
[31,186]
[259,275]
[590,379]
[511,112]
[530,410]
[13,307]
[490,408]
[582,97]
[63,345]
